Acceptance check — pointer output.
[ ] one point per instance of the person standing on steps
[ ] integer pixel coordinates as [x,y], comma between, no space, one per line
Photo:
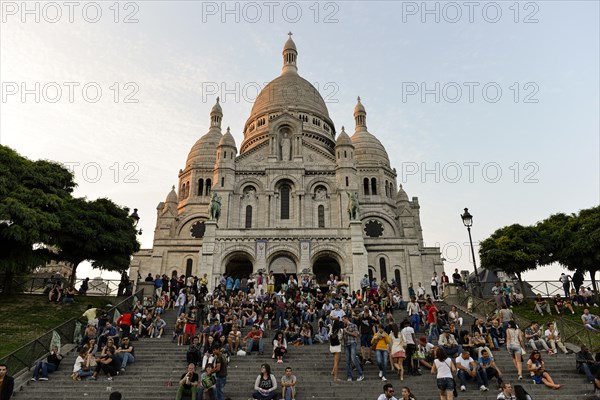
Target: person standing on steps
[435,283]
[443,367]
[515,345]
[335,347]
[351,334]
[220,371]
[381,340]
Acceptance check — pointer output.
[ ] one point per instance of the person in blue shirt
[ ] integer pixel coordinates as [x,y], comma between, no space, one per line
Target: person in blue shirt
[488,369]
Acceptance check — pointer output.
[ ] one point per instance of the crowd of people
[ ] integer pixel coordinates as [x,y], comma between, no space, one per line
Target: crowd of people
[375,327]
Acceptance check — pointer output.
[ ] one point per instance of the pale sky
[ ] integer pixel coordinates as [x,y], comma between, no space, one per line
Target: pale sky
[494,107]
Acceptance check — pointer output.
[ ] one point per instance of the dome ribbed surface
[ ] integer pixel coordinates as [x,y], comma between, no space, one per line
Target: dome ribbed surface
[204,150]
[368,149]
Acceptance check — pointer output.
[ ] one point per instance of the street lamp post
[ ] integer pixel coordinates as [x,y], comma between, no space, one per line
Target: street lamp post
[467,220]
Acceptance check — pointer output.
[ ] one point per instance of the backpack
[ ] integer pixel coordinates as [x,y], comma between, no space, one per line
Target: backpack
[334,340]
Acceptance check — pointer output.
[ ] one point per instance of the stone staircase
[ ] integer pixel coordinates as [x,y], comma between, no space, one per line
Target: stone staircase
[158,362]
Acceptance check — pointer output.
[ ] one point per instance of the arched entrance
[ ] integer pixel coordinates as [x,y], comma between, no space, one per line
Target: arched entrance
[282,266]
[323,267]
[239,266]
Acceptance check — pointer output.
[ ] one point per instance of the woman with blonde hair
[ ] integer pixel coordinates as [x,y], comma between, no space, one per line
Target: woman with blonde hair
[397,350]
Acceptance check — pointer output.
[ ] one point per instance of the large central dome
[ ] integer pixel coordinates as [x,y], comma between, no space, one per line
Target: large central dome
[291,93]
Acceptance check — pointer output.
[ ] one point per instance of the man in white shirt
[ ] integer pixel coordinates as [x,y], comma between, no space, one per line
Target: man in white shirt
[467,370]
[420,290]
[337,313]
[388,392]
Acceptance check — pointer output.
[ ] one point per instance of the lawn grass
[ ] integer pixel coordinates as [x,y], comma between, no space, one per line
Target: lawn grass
[25,317]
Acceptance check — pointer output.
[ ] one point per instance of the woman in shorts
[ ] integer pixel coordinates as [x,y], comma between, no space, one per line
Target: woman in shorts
[335,347]
[444,368]
[515,346]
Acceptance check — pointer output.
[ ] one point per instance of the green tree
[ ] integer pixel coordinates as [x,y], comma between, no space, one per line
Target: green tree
[513,249]
[31,195]
[573,241]
[98,231]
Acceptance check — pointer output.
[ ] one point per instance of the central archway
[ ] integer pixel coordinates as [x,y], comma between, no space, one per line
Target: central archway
[324,266]
[282,266]
[239,266]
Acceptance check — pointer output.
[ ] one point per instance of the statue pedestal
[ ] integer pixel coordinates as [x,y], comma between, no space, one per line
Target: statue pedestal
[360,262]
[206,254]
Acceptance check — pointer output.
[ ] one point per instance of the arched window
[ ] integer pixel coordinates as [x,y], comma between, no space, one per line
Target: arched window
[321,214]
[397,278]
[200,186]
[225,155]
[248,217]
[284,194]
[366,186]
[386,188]
[345,154]
[208,186]
[382,268]
[371,270]
[222,181]
[373,185]
[188,267]
[347,182]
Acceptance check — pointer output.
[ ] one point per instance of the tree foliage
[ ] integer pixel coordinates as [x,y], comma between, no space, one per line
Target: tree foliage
[98,231]
[31,195]
[38,213]
[573,241]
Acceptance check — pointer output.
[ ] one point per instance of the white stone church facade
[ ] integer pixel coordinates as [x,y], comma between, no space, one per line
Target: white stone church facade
[284,198]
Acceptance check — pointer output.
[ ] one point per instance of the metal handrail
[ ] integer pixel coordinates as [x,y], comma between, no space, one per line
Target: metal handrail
[25,357]
[547,288]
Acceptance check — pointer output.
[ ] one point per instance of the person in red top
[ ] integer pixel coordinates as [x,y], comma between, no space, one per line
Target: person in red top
[124,322]
[432,320]
[254,337]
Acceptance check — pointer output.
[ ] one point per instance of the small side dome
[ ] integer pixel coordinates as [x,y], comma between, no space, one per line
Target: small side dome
[369,149]
[172,197]
[227,139]
[204,150]
[343,139]
[401,196]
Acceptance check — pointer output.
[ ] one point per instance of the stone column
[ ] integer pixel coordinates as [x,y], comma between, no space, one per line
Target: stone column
[360,263]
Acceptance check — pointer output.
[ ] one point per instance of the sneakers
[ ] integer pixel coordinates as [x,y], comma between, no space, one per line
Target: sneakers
[483,388]
[360,378]
[43,379]
[380,374]
[33,379]
[279,361]
[463,388]
[109,378]
[383,379]
[369,361]
[349,379]
[159,336]
[520,377]
[122,369]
